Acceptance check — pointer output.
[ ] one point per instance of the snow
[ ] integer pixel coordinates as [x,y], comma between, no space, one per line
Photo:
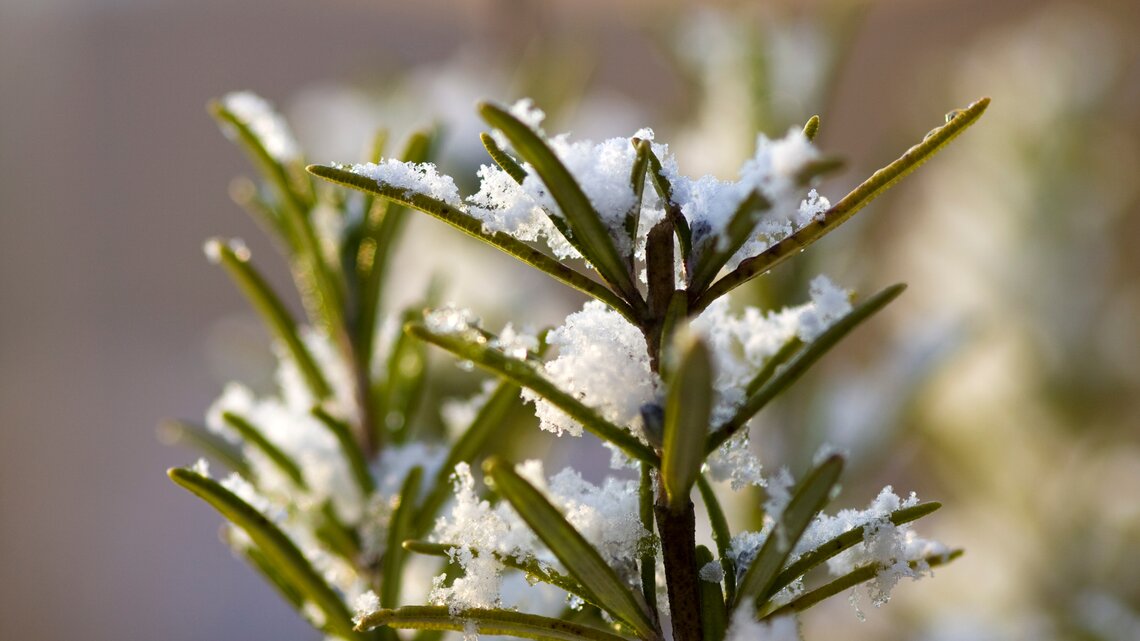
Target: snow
[745,627]
[421,178]
[364,605]
[603,361]
[265,123]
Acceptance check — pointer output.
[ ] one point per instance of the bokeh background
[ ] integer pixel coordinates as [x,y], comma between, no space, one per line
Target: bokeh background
[1005,383]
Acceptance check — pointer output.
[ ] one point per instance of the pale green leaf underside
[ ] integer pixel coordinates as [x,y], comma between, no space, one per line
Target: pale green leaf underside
[688,408]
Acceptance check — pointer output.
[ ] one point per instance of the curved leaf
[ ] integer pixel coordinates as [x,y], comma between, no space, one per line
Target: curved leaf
[251,434]
[580,559]
[714,619]
[205,441]
[722,536]
[353,455]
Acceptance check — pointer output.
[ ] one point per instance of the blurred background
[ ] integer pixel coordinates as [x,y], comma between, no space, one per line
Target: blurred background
[1005,383]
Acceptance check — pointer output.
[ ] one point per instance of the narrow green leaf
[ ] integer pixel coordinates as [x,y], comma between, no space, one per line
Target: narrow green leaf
[337,537]
[245,193]
[323,295]
[530,566]
[801,362]
[714,618]
[811,128]
[199,438]
[850,580]
[350,449]
[810,497]
[375,154]
[474,227]
[672,211]
[287,591]
[786,351]
[818,167]
[648,556]
[688,410]
[842,542]
[251,434]
[524,374]
[576,554]
[235,260]
[488,421]
[502,158]
[585,223]
[716,253]
[399,529]
[279,550]
[843,210]
[721,534]
[495,622]
[382,226]
[403,385]
[637,184]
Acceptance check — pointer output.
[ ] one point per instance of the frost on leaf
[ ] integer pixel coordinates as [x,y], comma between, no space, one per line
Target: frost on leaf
[364,605]
[420,178]
[606,515]
[265,122]
[603,362]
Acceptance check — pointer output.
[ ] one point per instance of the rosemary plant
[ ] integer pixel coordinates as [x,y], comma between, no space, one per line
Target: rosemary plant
[655,365]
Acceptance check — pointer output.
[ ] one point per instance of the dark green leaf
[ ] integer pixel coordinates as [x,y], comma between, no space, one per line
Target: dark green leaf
[850,580]
[714,618]
[353,455]
[585,223]
[842,542]
[722,536]
[688,410]
[252,435]
[843,210]
[399,529]
[713,254]
[811,128]
[580,559]
[502,158]
[672,211]
[210,444]
[523,373]
[801,362]
[278,549]
[474,227]
[272,311]
[504,622]
[810,497]
[648,556]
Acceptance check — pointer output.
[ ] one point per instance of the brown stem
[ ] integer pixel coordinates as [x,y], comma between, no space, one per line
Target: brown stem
[678,547]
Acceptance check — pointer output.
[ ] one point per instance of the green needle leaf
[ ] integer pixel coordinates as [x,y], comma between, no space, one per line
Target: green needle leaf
[504,622]
[399,529]
[648,556]
[474,227]
[272,168]
[398,395]
[197,437]
[487,422]
[251,434]
[585,223]
[579,558]
[809,498]
[502,158]
[721,534]
[737,232]
[688,409]
[353,455]
[235,260]
[673,212]
[278,549]
[714,619]
[522,373]
[786,351]
[811,128]
[850,580]
[840,543]
[801,362]
[530,566]
[637,183]
[843,210]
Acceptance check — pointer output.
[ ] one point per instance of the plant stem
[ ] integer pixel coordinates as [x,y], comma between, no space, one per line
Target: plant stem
[677,529]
